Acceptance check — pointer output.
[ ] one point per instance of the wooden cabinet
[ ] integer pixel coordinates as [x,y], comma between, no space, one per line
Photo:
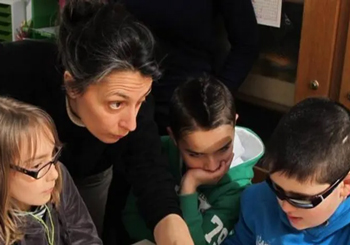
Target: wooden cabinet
[344,95]
[310,62]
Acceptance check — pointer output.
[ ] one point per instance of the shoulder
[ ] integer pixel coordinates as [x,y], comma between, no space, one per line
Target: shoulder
[257,191]
[66,178]
[64,172]
[258,201]
[69,192]
[260,209]
[168,146]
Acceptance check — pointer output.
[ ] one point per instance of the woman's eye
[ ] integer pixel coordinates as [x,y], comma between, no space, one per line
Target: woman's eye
[115,105]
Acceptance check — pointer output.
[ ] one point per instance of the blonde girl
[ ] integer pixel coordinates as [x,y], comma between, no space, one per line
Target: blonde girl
[39,202]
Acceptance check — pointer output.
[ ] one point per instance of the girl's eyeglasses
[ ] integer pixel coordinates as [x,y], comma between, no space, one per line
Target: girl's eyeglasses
[43,170]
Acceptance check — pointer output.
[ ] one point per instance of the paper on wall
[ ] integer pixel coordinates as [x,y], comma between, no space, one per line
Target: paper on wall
[268,12]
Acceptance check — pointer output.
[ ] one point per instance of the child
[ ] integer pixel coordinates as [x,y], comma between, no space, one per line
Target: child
[211,159]
[304,200]
[39,202]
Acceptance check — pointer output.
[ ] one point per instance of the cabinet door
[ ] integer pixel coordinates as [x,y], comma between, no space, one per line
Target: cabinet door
[344,95]
[271,82]
[303,57]
[322,48]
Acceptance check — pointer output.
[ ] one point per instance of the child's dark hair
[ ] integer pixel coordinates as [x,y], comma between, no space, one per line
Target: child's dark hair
[203,103]
[96,38]
[311,142]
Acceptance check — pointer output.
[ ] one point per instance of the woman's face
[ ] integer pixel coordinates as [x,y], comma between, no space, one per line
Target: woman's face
[109,108]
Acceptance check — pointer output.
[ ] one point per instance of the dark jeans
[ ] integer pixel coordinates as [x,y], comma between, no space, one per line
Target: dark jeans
[94,191]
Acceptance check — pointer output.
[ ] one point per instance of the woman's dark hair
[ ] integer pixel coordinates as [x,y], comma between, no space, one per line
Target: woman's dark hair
[203,103]
[96,38]
[311,142]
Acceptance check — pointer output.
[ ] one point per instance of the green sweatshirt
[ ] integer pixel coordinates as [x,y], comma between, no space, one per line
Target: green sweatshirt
[212,211]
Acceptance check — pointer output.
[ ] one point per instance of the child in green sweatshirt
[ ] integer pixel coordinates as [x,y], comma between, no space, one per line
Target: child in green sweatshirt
[210,158]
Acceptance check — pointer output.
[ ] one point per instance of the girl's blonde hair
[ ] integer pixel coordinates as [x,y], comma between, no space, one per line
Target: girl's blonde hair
[21,125]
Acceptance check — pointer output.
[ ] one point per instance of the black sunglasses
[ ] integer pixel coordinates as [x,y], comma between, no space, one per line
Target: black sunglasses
[304,202]
[43,170]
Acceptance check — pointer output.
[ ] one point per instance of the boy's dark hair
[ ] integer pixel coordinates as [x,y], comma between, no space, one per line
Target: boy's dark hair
[311,142]
[202,103]
[96,38]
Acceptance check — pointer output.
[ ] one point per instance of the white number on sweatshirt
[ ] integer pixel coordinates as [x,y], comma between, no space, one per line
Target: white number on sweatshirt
[219,228]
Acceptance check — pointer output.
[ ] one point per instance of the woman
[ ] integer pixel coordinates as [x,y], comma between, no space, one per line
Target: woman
[103,114]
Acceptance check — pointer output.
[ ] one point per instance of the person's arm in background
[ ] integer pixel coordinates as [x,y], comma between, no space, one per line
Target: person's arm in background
[242,30]
[152,183]
[214,224]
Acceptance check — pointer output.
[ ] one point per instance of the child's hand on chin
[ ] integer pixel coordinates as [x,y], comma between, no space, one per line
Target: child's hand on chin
[197,177]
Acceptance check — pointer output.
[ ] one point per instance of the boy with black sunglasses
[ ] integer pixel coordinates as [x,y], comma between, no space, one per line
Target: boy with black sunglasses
[304,200]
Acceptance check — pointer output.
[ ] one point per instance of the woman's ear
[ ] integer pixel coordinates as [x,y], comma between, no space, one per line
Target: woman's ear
[237,116]
[345,192]
[67,79]
[171,135]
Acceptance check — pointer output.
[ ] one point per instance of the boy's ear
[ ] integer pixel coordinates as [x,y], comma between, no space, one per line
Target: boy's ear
[171,135]
[68,78]
[237,116]
[345,192]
